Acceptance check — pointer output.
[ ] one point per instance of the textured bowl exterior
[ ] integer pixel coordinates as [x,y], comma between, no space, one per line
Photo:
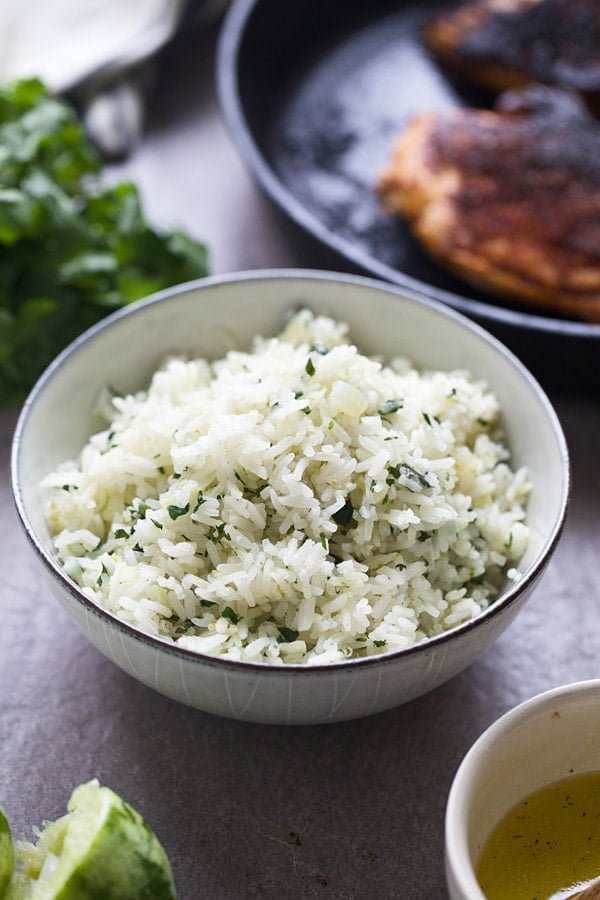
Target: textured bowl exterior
[208,318]
[276,695]
[545,739]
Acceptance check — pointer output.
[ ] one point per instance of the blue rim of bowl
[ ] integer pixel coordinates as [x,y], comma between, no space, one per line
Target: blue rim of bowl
[230,42]
[516,716]
[500,604]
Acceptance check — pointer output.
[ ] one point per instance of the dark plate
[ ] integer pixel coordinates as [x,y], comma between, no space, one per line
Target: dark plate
[314,94]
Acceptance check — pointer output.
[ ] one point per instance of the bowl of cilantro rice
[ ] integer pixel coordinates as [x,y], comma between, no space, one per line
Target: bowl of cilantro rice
[290,497]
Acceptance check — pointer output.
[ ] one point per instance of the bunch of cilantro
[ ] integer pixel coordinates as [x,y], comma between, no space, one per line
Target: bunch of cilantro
[70,250]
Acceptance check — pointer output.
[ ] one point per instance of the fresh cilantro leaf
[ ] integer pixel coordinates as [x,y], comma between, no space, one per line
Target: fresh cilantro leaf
[71,249]
[176,511]
[390,406]
[288,634]
[228,613]
[477,579]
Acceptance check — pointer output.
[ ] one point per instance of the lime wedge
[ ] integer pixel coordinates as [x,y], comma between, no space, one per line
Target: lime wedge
[101,850]
[6,855]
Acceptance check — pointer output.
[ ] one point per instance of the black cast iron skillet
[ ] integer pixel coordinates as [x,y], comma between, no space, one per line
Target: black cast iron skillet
[314,92]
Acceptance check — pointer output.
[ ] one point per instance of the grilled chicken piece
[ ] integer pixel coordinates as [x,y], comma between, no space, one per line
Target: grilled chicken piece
[509,199]
[504,44]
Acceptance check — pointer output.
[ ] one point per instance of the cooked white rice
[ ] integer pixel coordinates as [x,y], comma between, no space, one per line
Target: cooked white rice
[300,503]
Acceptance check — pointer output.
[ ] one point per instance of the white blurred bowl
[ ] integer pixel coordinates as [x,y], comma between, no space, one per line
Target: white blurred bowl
[203,318]
[545,739]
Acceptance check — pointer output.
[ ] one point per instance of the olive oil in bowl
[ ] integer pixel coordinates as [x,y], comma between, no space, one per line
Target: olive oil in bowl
[547,846]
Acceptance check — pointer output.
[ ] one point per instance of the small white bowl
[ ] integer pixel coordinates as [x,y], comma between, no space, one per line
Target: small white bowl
[206,318]
[551,736]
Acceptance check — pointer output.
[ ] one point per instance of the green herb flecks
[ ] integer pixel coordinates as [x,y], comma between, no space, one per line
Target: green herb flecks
[121,533]
[228,613]
[207,603]
[137,512]
[391,406]
[403,470]
[199,501]
[176,511]
[253,492]
[288,635]
[324,541]
[380,643]
[309,367]
[101,576]
[217,533]
[476,579]
[184,627]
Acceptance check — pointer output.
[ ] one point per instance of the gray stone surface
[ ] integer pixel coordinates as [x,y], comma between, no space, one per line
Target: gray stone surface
[345,811]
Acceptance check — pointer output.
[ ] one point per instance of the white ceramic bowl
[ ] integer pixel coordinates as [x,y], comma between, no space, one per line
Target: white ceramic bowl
[204,318]
[549,737]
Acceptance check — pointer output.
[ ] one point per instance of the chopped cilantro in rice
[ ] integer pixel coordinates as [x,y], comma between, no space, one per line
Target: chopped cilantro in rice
[299,503]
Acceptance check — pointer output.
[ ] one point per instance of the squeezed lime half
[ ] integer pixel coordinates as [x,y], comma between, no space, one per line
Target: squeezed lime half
[6,855]
[101,850]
